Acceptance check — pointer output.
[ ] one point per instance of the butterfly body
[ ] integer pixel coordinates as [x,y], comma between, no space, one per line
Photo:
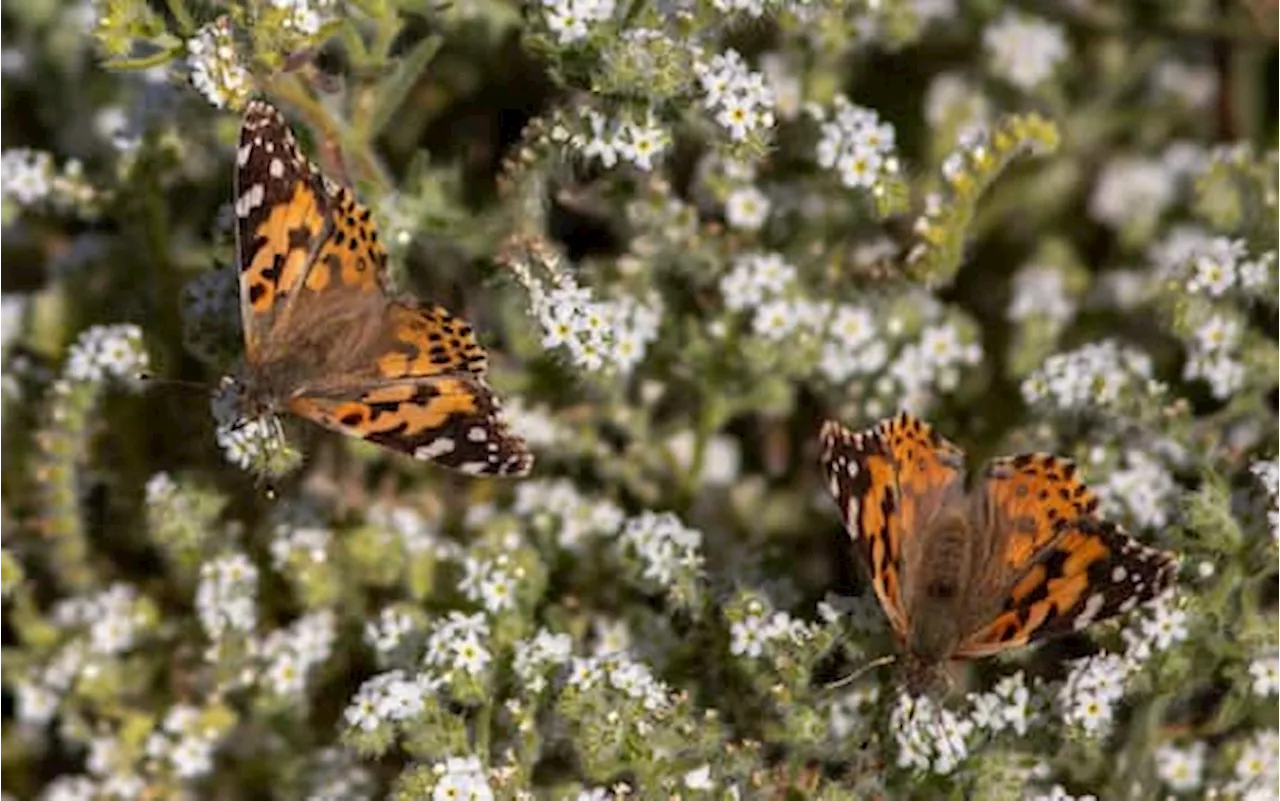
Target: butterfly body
[325,339]
[965,572]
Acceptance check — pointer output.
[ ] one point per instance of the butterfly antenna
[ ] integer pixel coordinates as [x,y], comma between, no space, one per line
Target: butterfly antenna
[151,378]
[860,672]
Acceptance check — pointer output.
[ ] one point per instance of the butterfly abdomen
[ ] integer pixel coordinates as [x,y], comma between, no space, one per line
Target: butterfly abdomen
[936,597]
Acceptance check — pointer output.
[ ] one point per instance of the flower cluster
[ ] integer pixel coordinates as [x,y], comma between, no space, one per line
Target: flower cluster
[393,697]
[537,656]
[757,631]
[1181,769]
[1098,375]
[637,140]
[1132,193]
[491,582]
[555,505]
[1088,698]
[1023,50]
[216,68]
[1268,474]
[226,598]
[598,335]
[1143,488]
[461,779]
[1009,706]
[31,179]
[856,145]
[1219,266]
[457,647]
[107,351]
[739,99]
[571,20]
[667,554]
[186,740]
[113,618]
[392,633]
[290,654]
[1040,292]
[305,17]
[929,737]
[1213,356]
[632,680]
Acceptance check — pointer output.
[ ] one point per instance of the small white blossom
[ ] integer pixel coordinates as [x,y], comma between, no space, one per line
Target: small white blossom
[107,351]
[1132,191]
[216,68]
[1041,291]
[739,100]
[571,20]
[1181,769]
[27,175]
[755,278]
[746,209]
[929,737]
[1025,51]
[461,779]
[665,547]
[226,597]
[856,145]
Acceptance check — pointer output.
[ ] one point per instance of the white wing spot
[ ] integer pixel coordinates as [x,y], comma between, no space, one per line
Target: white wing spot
[851,517]
[1091,609]
[276,168]
[473,468]
[242,155]
[477,434]
[1128,603]
[435,449]
[250,199]
[1118,573]
[851,468]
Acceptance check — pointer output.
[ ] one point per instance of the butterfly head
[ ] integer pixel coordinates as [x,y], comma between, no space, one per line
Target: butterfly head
[926,676]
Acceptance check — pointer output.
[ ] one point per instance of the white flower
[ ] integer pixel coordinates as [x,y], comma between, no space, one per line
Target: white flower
[1143,487]
[226,595]
[457,643]
[754,278]
[1132,191]
[27,175]
[929,737]
[107,351]
[1181,769]
[1214,266]
[36,704]
[1265,673]
[461,779]
[571,20]
[1023,50]
[747,637]
[1257,768]
[746,208]
[642,142]
[665,547]
[699,779]
[1040,291]
[216,71]
[740,100]
[856,145]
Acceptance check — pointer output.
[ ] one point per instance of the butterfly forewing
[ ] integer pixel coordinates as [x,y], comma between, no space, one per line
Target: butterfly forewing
[885,479]
[281,218]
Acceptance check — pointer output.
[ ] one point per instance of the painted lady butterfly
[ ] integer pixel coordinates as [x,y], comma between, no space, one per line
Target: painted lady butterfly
[1019,557]
[323,339]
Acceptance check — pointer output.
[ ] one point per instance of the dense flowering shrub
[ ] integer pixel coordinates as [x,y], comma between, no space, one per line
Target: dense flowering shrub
[687,232]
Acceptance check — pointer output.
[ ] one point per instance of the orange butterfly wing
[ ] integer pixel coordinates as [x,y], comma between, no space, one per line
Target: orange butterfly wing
[1060,568]
[889,481]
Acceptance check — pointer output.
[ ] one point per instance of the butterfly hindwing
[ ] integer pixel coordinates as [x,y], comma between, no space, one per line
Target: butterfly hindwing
[1091,571]
[451,419]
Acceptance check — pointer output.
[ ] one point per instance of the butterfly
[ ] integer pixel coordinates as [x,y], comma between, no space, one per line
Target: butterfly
[324,340]
[966,572]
